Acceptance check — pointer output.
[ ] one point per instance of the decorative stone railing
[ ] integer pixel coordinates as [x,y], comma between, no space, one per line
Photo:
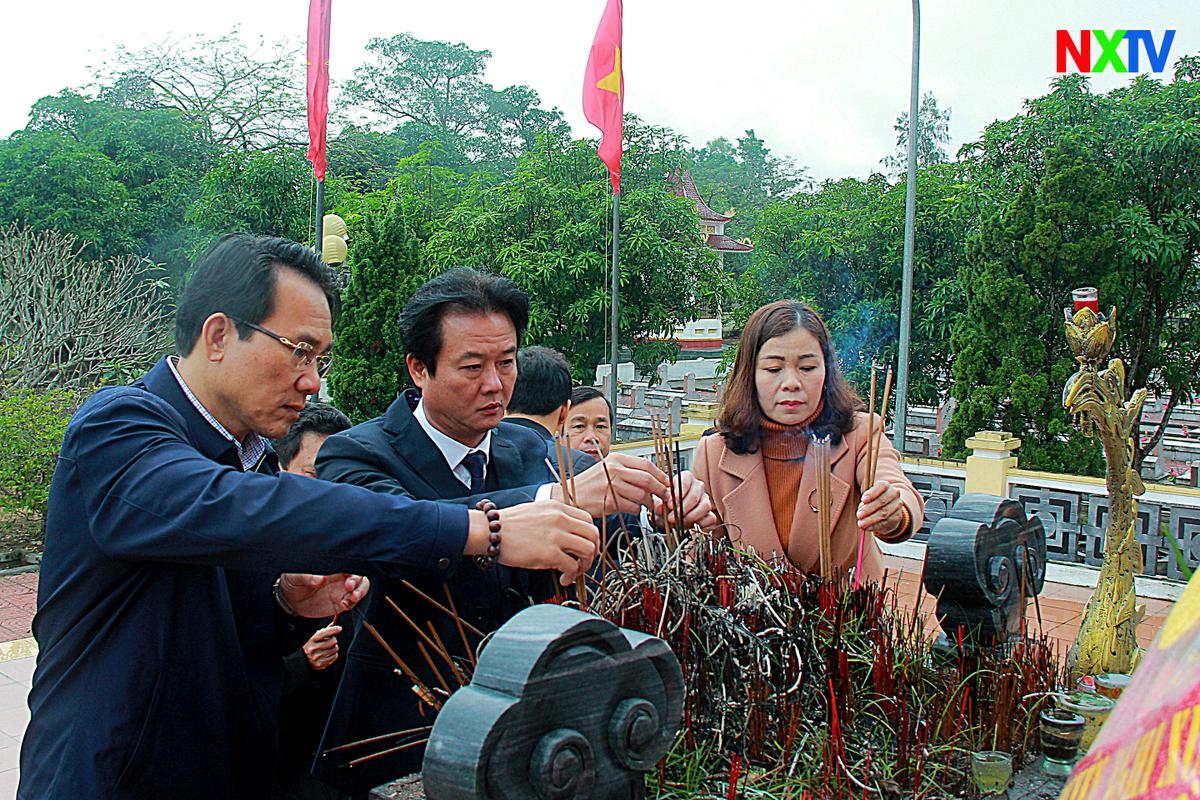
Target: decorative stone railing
[1072,508]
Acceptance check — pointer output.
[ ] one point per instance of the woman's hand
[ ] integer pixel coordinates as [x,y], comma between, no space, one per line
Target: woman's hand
[881,510]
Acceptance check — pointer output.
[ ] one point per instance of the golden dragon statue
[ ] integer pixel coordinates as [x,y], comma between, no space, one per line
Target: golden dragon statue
[1107,638]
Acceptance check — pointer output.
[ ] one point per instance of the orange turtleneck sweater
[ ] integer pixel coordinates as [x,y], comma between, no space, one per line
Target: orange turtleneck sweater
[783,449]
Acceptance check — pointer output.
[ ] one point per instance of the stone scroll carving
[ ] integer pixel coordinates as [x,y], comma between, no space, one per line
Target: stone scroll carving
[562,705]
[983,561]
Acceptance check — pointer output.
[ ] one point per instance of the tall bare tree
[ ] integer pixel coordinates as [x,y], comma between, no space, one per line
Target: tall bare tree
[248,97]
[437,90]
[70,323]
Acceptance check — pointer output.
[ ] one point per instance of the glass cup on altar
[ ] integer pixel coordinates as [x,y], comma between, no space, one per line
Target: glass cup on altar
[1086,297]
[1111,684]
[991,770]
[1061,732]
[1094,708]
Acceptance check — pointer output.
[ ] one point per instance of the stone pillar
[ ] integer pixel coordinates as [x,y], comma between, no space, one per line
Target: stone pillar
[992,456]
[637,396]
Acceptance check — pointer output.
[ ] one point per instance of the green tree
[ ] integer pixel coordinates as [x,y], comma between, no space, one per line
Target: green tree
[267,192]
[385,269]
[1082,189]
[933,132]
[157,154]
[545,229]
[366,160]
[49,181]
[435,91]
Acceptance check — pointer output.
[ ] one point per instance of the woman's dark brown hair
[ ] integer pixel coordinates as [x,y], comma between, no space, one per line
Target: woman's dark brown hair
[741,416]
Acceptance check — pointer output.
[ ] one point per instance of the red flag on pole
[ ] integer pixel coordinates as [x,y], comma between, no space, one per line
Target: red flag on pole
[318,82]
[604,90]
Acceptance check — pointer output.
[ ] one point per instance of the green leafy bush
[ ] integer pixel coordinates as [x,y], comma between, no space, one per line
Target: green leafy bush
[32,424]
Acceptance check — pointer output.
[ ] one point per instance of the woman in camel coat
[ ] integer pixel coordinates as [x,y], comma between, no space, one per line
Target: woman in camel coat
[784,388]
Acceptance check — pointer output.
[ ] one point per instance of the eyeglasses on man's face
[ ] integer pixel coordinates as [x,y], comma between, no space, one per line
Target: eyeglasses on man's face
[304,355]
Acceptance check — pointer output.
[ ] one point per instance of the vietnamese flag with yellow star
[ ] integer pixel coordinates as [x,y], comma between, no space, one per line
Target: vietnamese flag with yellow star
[604,90]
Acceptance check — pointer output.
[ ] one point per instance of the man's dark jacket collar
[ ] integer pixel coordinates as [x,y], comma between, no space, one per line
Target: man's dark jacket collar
[412,443]
[536,427]
[207,439]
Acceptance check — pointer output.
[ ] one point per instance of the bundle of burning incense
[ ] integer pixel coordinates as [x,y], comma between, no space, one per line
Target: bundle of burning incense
[818,459]
[795,685]
[874,443]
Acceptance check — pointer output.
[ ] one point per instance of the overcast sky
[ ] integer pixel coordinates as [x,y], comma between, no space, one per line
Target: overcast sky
[821,82]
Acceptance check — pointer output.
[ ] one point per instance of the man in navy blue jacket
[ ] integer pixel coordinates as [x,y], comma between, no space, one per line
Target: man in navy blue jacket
[162,613]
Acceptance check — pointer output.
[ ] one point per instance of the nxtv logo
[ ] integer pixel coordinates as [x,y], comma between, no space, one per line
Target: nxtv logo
[1107,54]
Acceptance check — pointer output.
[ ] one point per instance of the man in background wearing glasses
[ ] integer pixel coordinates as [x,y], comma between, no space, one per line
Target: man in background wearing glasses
[176,564]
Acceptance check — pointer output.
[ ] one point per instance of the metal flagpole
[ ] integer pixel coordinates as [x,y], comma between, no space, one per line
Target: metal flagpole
[616,290]
[910,218]
[320,220]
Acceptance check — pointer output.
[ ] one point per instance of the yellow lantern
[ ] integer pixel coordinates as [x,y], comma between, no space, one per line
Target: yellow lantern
[333,249]
[333,225]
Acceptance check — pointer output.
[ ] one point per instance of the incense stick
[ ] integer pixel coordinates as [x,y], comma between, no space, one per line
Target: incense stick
[422,689]
[679,481]
[458,622]
[380,738]
[820,450]
[382,753]
[673,529]
[878,443]
[436,674]
[458,675]
[452,611]
[871,430]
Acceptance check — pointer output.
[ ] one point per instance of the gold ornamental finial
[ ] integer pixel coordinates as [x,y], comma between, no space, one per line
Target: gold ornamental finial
[1107,638]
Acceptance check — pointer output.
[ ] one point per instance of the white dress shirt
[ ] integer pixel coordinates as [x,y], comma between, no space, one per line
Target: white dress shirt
[452,450]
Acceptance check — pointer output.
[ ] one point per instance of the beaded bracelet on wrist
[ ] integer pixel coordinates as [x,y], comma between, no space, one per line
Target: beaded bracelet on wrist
[493,551]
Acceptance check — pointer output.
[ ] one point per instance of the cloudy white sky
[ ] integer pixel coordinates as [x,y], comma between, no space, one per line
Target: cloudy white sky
[821,82]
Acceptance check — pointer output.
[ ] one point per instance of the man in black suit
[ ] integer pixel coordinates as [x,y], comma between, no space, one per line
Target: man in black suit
[448,441]
[540,399]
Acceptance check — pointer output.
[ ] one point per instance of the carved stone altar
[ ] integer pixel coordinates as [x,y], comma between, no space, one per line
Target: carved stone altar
[984,560]
[562,704]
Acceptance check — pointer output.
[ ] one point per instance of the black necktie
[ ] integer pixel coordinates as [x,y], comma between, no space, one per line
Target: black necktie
[475,462]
